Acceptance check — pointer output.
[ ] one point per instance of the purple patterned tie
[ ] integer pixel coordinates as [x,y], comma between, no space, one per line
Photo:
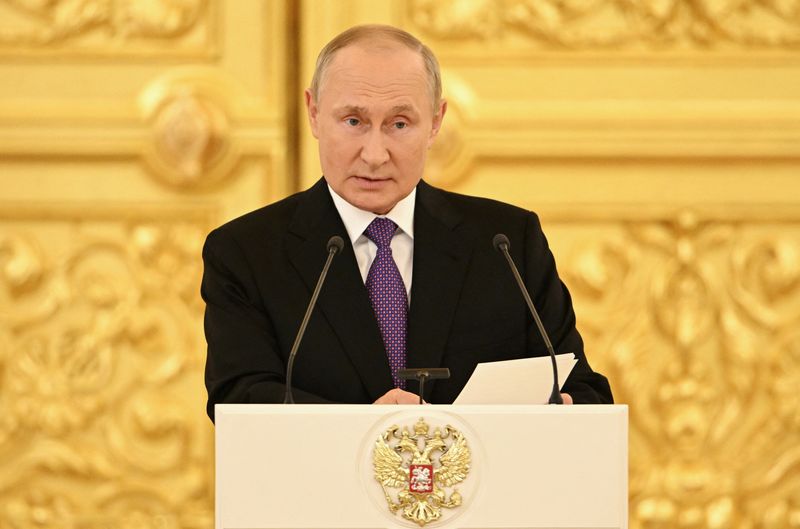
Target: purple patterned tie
[387,292]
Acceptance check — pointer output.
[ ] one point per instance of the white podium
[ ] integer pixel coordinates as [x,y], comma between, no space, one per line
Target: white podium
[313,466]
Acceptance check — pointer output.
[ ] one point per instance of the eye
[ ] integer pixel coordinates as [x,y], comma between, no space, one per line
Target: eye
[353,122]
[400,125]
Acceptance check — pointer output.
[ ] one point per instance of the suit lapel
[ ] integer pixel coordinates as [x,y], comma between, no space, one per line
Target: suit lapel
[441,255]
[343,301]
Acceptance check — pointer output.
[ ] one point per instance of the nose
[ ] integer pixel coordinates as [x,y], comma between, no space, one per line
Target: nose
[374,151]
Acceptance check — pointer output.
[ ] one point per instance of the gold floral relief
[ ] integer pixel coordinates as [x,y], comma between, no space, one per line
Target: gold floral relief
[696,321]
[654,25]
[101,359]
[115,27]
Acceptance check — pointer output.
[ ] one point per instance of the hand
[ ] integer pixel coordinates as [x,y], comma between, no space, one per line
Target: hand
[398,396]
[567,398]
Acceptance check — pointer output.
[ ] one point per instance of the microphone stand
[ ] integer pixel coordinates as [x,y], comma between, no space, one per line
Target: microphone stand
[423,374]
[335,245]
[501,244]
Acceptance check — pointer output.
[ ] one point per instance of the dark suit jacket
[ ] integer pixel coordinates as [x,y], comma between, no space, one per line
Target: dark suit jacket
[261,268]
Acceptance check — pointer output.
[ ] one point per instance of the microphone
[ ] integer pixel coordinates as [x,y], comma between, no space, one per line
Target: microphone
[334,246]
[423,374]
[501,244]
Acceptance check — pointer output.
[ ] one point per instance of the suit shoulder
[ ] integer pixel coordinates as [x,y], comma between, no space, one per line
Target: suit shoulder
[477,207]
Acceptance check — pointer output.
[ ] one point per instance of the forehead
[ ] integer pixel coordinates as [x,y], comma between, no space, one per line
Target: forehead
[375,72]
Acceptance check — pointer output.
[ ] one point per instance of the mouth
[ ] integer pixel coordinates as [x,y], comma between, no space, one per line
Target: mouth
[369,178]
[370,182]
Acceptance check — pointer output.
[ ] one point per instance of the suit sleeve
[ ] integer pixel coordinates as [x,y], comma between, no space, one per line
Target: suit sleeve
[243,363]
[553,301]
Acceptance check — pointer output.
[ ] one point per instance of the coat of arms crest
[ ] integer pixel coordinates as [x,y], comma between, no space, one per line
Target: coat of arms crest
[424,467]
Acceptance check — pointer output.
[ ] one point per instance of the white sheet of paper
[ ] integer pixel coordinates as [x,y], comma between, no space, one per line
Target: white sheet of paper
[522,381]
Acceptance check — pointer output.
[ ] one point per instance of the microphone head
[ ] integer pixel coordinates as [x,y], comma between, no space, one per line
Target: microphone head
[499,240]
[335,244]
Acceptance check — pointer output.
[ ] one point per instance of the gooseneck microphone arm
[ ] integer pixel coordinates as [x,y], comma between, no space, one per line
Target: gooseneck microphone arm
[335,245]
[423,374]
[502,245]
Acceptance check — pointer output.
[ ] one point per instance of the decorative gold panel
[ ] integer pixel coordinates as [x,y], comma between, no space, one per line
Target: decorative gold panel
[693,314]
[653,25]
[128,130]
[102,418]
[107,27]
[659,140]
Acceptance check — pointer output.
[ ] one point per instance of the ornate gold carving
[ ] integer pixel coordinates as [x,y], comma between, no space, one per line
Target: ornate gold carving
[189,135]
[103,26]
[449,160]
[563,25]
[694,318]
[191,144]
[101,360]
[20,264]
[406,461]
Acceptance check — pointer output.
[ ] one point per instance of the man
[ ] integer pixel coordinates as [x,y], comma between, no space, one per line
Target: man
[421,286]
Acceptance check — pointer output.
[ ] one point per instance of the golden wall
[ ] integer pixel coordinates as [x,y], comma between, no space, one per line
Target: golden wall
[658,139]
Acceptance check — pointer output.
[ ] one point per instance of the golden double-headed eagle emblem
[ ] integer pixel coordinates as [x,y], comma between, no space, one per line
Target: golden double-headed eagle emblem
[424,467]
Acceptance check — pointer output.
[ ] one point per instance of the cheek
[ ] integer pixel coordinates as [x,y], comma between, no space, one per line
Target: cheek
[411,145]
[415,153]
[410,164]
[331,148]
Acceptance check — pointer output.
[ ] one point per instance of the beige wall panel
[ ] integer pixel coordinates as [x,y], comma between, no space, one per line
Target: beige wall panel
[660,143]
[127,131]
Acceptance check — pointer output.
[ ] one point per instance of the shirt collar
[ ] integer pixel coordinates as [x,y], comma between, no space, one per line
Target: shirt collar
[356,220]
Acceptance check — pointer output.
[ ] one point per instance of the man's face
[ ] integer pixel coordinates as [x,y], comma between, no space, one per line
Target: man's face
[375,123]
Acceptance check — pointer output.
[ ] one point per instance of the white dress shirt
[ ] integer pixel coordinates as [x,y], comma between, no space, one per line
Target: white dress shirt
[356,221]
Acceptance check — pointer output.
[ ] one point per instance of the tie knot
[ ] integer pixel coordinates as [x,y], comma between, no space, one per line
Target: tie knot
[380,231]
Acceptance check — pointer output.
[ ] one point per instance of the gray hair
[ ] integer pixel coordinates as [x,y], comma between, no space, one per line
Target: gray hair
[376,32]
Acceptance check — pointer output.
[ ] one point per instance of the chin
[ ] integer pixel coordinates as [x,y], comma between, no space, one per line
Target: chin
[371,203]
[378,209]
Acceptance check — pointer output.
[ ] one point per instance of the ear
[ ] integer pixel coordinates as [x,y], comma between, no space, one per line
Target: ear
[437,122]
[311,107]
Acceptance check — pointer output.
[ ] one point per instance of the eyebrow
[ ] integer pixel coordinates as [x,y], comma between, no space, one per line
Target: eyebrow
[352,109]
[397,109]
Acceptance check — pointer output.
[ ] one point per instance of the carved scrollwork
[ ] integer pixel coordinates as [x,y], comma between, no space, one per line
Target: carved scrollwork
[560,25]
[151,433]
[96,25]
[54,374]
[163,255]
[767,274]
[786,379]
[142,508]
[20,264]
[101,405]
[601,269]
[449,160]
[708,358]
[38,507]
